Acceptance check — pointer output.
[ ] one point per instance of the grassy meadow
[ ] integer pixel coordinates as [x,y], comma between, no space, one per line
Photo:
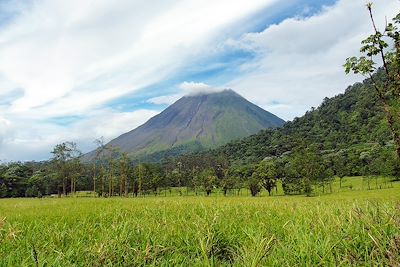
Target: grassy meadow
[356,226]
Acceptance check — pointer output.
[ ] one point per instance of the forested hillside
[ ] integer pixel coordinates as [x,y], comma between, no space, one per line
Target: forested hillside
[350,121]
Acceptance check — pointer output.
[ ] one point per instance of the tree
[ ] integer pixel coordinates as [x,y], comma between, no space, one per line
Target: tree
[292,183]
[208,180]
[242,174]
[3,187]
[340,167]
[63,155]
[15,178]
[144,179]
[254,185]
[387,85]
[228,182]
[383,163]
[124,173]
[309,165]
[76,169]
[98,160]
[41,182]
[3,190]
[266,173]
[112,152]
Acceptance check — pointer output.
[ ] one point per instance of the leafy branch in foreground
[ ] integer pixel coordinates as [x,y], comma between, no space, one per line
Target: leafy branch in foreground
[376,47]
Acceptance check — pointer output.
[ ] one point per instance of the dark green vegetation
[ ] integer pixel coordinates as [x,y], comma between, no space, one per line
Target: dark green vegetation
[350,123]
[376,48]
[195,123]
[353,228]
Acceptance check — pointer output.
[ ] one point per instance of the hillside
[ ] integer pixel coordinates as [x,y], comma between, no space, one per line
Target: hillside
[197,122]
[347,121]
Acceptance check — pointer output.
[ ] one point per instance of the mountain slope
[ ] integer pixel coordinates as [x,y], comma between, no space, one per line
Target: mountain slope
[197,122]
[353,120]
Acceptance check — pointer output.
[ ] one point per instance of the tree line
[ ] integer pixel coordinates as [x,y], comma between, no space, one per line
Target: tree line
[113,173]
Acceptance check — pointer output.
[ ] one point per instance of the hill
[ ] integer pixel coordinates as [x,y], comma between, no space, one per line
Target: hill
[351,120]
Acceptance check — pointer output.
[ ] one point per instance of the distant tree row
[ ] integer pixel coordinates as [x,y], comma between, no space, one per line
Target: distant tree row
[112,173]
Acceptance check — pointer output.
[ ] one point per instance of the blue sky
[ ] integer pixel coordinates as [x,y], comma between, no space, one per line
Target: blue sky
[78,70]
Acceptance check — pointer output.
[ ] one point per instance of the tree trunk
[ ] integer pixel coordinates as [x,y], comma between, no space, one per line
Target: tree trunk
[64,187]
[112,185]
[72,185]
[94,184]
[126,186]
[102,186]
[109,186]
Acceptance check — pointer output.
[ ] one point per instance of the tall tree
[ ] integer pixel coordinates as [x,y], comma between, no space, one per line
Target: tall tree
[309,164]
[124,173]
[387,85]
[208,180]
[254,185]
[266,173]
[63,154]
[14,178]
[98,162]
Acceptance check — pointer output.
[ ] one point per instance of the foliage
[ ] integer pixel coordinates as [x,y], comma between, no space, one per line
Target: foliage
[65,163]
[254,185]
[266,173]
[376,47]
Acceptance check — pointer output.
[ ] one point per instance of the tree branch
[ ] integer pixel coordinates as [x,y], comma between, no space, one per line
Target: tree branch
[379,44]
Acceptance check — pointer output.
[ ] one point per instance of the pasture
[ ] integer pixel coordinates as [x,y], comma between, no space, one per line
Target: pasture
[348,227]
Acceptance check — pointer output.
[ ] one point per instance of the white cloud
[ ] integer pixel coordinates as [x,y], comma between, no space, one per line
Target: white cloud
[4,128]
[186,88]
[72,48]
[165,99]
[299,61]
[194,88]
[37,141]
[71,57]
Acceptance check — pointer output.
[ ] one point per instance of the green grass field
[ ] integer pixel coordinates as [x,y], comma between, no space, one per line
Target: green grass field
[348,227]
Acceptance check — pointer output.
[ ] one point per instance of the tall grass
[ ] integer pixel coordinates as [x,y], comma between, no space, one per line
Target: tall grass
[340,229]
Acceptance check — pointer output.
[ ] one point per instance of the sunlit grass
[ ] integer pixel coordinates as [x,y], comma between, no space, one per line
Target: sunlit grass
[355,227]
